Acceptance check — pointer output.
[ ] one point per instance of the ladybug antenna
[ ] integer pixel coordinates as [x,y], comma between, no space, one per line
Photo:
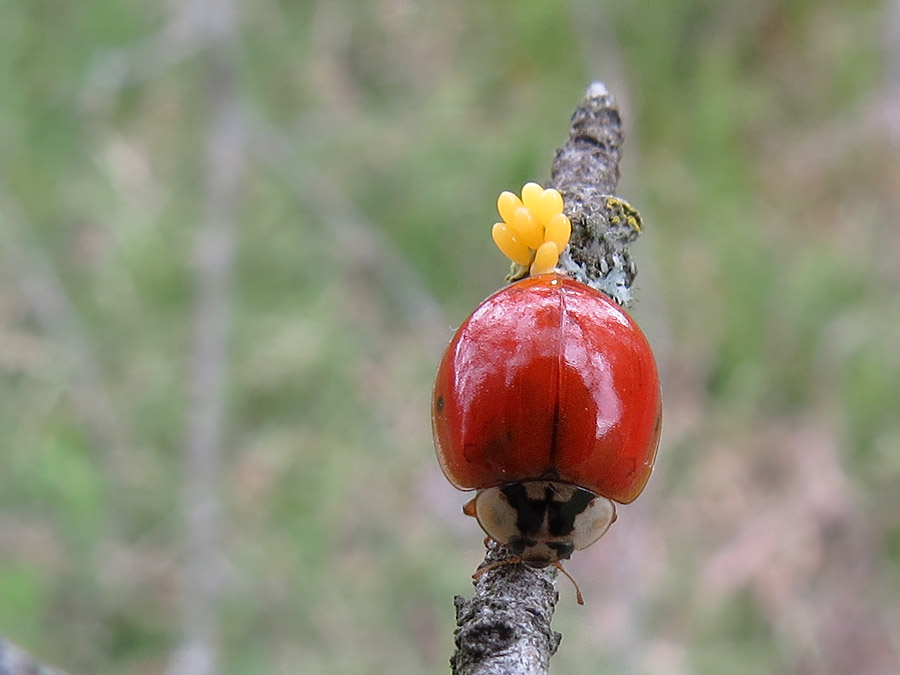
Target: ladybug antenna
[578,596]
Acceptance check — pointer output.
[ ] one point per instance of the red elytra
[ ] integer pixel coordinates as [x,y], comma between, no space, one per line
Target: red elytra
[548,380]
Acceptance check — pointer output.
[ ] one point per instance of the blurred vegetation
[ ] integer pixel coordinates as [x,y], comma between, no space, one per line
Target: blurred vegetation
[762,149]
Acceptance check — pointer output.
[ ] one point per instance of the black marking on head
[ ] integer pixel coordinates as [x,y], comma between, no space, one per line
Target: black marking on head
[529,512]
[561,515]
[564,549]
[518,545]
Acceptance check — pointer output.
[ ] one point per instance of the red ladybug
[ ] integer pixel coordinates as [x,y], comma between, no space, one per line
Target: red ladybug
[547,402]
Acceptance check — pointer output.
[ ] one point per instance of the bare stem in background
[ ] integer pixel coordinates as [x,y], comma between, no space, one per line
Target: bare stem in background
[505,627]
[189,30]
[891,88]
[214,262]
[13,661]
[34,273]
[363,246]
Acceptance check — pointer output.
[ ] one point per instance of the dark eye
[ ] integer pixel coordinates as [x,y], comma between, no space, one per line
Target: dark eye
[517,545]
[564,549]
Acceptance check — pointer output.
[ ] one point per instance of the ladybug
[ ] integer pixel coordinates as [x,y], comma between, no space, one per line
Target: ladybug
[547,402]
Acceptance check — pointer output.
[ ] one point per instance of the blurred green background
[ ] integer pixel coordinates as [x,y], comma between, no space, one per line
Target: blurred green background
[349,155]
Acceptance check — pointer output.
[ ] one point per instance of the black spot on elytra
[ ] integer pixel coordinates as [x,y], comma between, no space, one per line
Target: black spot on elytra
[439,404]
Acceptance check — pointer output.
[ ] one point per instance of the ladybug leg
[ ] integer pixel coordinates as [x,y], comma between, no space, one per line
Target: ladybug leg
[494,565]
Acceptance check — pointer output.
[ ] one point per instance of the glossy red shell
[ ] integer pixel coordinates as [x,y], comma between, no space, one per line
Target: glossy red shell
[548,378]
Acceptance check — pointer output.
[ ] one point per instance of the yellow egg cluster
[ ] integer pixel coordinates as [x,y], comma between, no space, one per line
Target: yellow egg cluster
[534,230]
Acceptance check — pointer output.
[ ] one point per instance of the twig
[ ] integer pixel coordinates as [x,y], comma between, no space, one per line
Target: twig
[505,627]
[214,263]
[586,171]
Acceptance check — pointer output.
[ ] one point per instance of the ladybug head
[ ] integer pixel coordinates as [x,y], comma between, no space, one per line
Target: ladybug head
[542,522]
